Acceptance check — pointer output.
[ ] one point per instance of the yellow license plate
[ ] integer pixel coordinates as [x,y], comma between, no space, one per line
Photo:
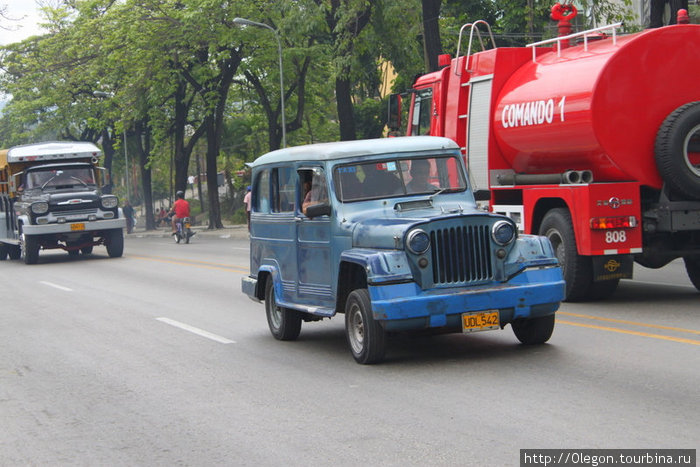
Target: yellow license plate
[79,226]
[480,321]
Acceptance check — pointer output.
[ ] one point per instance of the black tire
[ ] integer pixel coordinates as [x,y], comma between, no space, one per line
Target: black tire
[73,252]
[4,251]
[187,236]
[29,249]
[534,330]
[284,324]
[86,250]
[365,336]
[177,237]
[577,269]
[678,135]
[692,267]
[15,252]
[115,243]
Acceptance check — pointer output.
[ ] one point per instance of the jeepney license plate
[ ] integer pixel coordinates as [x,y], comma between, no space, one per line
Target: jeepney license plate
[480,321]
[78,226]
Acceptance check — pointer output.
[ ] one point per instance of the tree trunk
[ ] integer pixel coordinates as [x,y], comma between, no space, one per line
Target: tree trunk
[212,179]
[108,150]
[346,117]
[144,134]
[432,46]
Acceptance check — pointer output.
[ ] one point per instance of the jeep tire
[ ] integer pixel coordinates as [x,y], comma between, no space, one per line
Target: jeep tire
[284,324]
[115,243]
[533,330]
[365,336]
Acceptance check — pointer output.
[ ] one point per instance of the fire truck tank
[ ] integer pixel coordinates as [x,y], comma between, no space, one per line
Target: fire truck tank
[598,107]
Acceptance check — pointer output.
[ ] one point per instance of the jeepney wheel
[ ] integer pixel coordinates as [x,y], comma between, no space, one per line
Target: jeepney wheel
[534,330]
[29,249]
[365,336]
[284,324]
[115,243]
[4,250]
[692,267]
[86,250]
[677,150]
[15,252]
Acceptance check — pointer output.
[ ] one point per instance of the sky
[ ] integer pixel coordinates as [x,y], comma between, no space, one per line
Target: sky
[26,13]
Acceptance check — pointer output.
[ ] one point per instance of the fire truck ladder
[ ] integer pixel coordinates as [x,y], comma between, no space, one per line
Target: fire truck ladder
[473,27]
[584,34]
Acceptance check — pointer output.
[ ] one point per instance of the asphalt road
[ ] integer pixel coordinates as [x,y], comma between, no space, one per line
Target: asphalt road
[157,358]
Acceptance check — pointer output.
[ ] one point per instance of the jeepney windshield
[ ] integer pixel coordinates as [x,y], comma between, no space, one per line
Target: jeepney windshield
[398,177]
[57,179]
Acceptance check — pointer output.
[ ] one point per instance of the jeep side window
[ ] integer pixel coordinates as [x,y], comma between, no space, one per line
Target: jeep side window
[313,188]
[283,183]
[261,196]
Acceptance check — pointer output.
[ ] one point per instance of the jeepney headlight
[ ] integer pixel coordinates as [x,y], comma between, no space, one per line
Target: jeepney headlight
[418,242]
[503,232]
[109,202]
[40,207]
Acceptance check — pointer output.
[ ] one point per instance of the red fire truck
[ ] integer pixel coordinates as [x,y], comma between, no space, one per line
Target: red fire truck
[592,139]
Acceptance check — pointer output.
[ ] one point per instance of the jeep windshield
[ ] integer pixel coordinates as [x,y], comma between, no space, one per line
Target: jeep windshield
[398,177]
[58,179]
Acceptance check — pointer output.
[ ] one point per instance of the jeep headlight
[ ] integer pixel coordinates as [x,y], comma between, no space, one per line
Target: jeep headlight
[40,207]
[503,232]
[418,242]
[109,202]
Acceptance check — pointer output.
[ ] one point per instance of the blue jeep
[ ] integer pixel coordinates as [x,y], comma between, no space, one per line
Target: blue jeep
[387,232]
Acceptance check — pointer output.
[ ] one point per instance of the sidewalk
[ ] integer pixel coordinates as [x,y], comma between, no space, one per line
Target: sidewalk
[229,231]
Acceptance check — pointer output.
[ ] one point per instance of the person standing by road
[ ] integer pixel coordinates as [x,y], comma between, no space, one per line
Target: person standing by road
[247,202]
[180,210]
[128,211]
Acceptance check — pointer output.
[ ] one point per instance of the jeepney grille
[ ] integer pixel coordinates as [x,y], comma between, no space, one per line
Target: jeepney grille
[76,212]
[461,254]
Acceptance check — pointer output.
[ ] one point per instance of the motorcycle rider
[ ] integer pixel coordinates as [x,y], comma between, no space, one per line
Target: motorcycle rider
[180,210]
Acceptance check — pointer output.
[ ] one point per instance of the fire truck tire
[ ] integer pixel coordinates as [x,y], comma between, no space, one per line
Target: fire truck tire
[577,269]
[534,330]
[115,243]
[30,249]
[4,251]
[678,150]
[15,252]
[692,266]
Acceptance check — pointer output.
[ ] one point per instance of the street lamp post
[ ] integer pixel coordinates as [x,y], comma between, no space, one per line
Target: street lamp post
[247,22]
[105,95]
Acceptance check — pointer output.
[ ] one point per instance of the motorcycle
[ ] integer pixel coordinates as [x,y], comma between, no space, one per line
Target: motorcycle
[183,231]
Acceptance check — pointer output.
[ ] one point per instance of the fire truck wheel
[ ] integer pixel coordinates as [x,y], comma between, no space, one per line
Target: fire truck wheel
[284,324]
[30,249]
[577,269]
[4,251]
[692,266]
[366,336]
[533,330]
[678,150]
[115,243]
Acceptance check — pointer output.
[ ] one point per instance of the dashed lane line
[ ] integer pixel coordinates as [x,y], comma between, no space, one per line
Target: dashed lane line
[194,330]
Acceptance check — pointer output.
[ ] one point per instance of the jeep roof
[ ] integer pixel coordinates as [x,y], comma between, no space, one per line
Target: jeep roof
[345,149]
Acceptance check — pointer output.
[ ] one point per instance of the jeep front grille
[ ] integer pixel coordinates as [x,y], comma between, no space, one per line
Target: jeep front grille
[461,254]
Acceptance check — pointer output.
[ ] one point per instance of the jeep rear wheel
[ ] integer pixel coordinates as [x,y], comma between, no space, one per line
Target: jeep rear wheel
[4,251]
[365,336]
[284,324]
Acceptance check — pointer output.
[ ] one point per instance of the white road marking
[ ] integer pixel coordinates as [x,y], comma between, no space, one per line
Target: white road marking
[56,286]
[197,331]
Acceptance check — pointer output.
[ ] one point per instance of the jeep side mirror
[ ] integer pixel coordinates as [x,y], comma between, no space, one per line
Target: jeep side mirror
[316,210]
[482,195]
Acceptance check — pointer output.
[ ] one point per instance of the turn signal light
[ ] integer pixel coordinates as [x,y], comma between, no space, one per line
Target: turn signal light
[621,222]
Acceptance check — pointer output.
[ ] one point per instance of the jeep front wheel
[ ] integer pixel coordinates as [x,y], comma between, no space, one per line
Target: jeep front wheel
[115,243]
[365,336]
[533,330]
[30,249]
